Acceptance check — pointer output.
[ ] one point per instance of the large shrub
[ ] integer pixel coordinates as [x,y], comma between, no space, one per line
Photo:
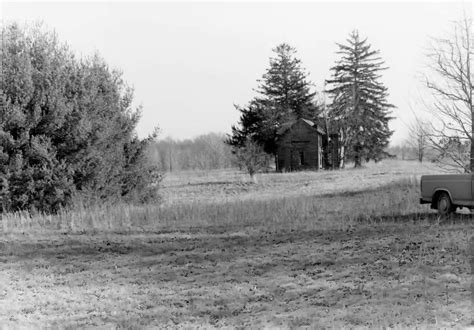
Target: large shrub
[67,127]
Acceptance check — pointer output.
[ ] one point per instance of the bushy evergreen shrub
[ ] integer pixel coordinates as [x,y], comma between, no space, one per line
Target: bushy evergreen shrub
[67,127]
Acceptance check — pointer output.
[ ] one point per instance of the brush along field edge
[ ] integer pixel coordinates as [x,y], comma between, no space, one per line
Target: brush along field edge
[226,198]
[393,202]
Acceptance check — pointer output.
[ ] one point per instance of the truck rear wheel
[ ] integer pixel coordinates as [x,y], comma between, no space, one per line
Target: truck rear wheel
[445,206]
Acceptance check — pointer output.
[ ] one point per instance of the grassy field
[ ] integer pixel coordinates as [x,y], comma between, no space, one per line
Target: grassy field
[350,248]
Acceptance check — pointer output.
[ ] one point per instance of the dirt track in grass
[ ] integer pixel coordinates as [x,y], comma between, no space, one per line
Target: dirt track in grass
[375,275]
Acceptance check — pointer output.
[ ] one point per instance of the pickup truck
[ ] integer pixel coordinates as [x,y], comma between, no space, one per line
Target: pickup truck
[447,192]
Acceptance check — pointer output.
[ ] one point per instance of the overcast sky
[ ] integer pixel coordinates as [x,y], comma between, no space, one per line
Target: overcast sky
[190,62]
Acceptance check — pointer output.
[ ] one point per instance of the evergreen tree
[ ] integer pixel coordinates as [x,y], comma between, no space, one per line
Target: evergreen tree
[66,128]
[285,88]
[359,101]
[284,95]
[259,123]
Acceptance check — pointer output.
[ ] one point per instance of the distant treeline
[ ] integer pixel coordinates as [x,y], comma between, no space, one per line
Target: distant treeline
[205,152]
[405,151]
[209,152]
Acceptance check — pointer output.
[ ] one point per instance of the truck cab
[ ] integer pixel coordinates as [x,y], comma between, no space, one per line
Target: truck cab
[447,192]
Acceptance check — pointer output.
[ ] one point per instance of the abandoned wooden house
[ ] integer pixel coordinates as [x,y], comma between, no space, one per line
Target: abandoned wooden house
[305,145]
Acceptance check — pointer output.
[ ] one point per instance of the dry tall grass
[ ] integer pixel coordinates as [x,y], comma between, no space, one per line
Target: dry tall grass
[291,200]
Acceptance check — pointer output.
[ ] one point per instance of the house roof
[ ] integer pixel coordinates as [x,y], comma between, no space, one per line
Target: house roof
[286,126]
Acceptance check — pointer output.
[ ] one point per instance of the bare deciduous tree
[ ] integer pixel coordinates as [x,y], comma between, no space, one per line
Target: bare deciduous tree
[252,157]
[452,107]
[419,137]
[204,152]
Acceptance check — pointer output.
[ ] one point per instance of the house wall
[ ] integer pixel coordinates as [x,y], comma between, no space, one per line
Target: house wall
[298,148]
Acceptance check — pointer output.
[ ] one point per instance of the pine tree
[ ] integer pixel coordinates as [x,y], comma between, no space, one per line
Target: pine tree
[258,122]
[359,101]
[67,127]
[285,88]
[284,95]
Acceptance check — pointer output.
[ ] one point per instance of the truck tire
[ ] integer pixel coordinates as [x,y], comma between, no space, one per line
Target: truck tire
[445,206]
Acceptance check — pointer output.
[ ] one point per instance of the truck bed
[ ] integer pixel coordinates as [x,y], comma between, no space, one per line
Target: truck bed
[458,186]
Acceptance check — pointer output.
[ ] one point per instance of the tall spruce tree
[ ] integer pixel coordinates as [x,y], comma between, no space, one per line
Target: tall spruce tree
[359,101]
[285,86]
[285,95]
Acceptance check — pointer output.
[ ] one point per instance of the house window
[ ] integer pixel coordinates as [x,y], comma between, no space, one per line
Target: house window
[301,157]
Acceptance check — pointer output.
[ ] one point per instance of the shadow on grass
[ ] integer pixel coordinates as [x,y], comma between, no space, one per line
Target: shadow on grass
[432,218]
[220,246]
[198,184]
[402,184]
[213,246]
